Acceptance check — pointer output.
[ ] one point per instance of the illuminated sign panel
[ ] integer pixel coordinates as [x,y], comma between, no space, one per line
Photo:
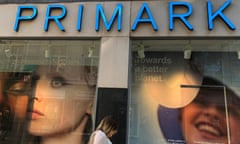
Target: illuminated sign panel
[144,16]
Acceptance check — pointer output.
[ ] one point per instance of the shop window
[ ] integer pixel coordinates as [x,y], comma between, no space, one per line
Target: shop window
[184,91]
[47,90]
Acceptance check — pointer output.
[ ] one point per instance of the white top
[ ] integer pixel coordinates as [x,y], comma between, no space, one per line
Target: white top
[101,138]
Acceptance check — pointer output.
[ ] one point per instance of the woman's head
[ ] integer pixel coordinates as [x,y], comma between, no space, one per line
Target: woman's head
[108,125]
[62,100]
[213,116]
[16,90]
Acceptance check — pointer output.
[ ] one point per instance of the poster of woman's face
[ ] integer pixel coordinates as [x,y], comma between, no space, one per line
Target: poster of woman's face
[47,91]
[61,100]
[177,101]
[213,116]
[15,93]
[51,102]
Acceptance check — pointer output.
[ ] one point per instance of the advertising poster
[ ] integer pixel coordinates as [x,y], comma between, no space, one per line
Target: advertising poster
[185,101]
[50,104]
[47,91]
[15,92]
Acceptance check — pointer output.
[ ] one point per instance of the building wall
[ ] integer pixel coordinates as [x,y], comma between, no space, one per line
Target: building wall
[116,45]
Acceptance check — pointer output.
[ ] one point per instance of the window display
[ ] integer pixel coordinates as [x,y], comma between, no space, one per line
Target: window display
[179,99]
[52,100]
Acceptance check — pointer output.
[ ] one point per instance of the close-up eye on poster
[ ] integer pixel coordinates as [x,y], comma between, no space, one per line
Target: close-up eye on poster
[186,92]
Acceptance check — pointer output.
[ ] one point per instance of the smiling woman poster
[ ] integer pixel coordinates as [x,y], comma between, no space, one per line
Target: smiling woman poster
[176,100]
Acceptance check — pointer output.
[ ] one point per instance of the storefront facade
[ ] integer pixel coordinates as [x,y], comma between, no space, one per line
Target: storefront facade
[143,62]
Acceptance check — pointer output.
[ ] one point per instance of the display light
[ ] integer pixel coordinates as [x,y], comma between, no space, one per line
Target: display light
[188,51]
[90,51]
[140,51]
[8,53]
[238,54]
[46,53]
[187,54]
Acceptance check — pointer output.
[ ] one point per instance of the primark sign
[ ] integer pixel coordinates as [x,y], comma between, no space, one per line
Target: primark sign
[155,17]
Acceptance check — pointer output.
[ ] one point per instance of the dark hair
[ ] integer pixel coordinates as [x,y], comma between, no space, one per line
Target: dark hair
[108,124]
[210,85]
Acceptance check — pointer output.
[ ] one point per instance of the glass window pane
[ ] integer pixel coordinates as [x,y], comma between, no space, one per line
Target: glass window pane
[169,76]
[47,89]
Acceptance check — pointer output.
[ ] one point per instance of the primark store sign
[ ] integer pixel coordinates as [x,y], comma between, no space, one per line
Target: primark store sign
[178,13]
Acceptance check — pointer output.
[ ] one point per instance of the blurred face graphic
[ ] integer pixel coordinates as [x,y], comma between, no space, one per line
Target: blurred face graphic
[61,100]
[205,119]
